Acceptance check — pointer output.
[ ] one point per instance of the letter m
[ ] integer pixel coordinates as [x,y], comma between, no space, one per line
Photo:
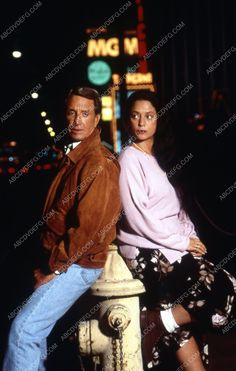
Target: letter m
[131,45]
[96,48]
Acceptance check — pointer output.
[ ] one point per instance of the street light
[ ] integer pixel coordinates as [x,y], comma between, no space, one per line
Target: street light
[16,54]
[34,95]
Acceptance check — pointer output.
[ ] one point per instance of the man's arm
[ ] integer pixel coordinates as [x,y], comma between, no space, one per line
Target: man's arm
[97,206]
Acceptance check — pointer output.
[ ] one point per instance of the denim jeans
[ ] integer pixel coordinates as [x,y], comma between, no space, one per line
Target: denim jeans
[27,344]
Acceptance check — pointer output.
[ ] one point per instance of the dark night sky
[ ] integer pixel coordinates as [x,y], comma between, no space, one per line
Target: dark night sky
[45,39]
[57,28]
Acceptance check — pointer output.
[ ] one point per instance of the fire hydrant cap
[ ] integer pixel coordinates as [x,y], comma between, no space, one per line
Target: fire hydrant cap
[116,280]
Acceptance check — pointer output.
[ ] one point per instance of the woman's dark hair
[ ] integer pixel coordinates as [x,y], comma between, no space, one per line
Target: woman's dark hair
[165,149]
[88,93]
[164,143]
[139,95]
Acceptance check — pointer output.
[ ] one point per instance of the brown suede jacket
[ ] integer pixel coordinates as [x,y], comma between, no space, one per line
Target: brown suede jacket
[82,207]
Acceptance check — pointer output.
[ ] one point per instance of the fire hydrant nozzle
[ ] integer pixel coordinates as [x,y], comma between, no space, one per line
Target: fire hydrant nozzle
[113,338]
[118,317]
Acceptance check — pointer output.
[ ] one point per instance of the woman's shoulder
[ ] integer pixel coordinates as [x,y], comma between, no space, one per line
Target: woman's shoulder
[128,154]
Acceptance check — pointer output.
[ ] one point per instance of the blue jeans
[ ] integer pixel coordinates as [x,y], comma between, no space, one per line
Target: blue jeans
[27,343]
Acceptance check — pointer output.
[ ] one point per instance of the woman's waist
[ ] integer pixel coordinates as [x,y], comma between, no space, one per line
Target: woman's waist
[131,251]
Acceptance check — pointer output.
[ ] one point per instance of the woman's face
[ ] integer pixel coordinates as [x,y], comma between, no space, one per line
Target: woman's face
[143,120]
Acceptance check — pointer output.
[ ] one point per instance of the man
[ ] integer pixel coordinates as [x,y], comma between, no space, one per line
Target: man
[81,210]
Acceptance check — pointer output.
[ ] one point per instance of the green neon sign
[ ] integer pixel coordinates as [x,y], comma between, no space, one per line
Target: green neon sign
[99,72]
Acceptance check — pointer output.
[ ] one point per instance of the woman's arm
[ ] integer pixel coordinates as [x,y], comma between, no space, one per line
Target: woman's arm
[140,218]
[188,224]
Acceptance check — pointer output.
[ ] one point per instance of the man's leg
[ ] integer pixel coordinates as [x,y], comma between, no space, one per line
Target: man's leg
[43,355]
[26,344]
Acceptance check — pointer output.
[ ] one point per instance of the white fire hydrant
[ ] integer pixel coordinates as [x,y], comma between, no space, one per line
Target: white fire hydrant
[113,338]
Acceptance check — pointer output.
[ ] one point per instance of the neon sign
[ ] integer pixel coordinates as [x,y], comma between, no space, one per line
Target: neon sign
[110,47]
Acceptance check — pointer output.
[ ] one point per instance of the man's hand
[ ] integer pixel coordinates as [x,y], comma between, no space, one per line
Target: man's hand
[196,247]
[41,278]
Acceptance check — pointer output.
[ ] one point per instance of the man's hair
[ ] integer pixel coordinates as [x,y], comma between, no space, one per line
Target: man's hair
[88,93]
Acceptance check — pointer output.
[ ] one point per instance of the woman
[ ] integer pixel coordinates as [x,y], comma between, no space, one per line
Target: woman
[162,249]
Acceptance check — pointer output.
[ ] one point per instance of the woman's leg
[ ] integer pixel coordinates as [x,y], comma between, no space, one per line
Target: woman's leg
[189,357]
[149,271]
[186,285]
[206,294]
[181,315]
[188,354]
[210,300]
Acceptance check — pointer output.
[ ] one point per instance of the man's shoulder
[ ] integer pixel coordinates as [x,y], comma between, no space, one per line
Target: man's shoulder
[108,155]
[99,154]
[99,157]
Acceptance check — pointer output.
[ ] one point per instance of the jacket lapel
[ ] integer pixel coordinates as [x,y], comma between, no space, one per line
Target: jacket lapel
[67,164]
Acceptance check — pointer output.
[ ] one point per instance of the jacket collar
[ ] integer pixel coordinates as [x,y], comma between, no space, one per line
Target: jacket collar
[85,146]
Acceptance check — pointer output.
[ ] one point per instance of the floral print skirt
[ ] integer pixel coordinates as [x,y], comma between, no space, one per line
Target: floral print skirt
[206,292]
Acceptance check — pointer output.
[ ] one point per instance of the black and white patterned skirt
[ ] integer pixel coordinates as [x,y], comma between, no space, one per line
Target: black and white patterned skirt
[206,292]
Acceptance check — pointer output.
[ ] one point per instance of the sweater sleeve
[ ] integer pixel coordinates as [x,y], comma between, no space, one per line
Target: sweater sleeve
[188,224]
[138,215]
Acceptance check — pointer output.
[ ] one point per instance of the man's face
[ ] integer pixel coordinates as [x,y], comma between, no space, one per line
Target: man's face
[81,117]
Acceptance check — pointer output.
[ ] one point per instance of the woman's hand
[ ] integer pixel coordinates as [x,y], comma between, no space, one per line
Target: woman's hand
[196,247]
[41,278]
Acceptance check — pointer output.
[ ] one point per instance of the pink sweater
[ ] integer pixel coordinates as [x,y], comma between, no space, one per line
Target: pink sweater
[152,216]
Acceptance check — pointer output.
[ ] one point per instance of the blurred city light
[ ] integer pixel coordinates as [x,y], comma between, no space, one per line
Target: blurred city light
[107,112]
[34,95]
[16,54]
[12,143]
